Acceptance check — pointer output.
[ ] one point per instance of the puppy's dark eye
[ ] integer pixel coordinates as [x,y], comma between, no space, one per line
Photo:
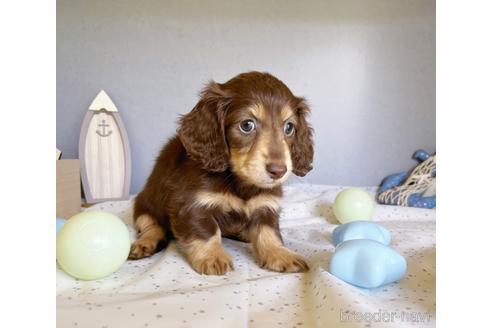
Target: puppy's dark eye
[247,126]
[288,128]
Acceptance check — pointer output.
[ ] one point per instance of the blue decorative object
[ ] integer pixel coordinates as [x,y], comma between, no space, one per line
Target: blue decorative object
[421,155]
[361,230]
[367,263]
[59,223]
[416,189]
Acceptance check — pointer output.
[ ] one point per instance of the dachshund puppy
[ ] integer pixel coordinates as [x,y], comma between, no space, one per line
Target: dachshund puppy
[221,175]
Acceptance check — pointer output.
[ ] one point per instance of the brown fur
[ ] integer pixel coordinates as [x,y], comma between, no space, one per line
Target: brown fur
[208,256]
[212,178]
[150,234]
[270,252]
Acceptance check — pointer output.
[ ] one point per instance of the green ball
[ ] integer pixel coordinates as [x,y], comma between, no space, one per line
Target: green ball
[353,204]
[92,245]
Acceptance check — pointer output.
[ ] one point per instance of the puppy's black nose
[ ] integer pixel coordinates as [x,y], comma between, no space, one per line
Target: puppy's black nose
[276,171]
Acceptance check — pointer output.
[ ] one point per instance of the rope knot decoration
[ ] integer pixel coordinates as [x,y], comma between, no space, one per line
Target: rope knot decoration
[409,193]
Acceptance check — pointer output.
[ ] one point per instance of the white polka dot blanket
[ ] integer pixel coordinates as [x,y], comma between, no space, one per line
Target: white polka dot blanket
[163,290]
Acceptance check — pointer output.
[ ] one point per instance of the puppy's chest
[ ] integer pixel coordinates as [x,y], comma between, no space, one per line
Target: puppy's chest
[227,202]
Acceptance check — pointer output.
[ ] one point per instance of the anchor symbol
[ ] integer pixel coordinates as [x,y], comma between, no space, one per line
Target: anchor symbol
[104,126]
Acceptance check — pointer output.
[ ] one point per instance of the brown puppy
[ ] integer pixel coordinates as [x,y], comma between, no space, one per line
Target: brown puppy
[222,174]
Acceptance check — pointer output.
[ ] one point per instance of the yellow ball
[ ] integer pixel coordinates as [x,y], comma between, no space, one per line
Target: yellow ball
[92,245]
[353,204]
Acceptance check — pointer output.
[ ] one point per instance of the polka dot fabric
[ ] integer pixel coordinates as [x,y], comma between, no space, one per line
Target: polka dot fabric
[163,290]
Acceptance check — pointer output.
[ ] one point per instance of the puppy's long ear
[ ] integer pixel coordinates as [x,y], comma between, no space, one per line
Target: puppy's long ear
[202,130]
[302,147]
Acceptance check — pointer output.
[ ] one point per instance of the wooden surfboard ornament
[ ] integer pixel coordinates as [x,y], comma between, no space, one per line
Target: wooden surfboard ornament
[104,152]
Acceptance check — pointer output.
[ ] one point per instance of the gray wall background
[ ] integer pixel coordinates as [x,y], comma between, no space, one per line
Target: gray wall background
[366,67]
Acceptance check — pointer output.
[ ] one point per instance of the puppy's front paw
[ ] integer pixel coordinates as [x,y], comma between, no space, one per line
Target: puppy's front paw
[213,264]
[142,248]
[281,259]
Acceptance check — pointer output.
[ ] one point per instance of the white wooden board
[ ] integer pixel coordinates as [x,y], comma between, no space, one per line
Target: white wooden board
[104,152]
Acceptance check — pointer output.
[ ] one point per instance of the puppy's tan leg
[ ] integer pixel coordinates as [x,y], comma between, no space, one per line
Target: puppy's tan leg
[207,256]
[150,234]
[270,252]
